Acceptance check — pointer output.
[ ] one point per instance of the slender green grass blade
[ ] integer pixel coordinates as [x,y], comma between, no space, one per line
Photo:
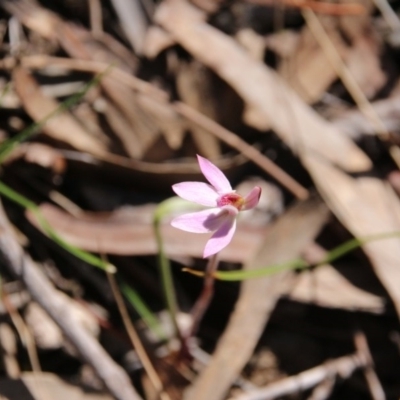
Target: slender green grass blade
[91,259]
[332,255]
[165,208]
[9,145]
[145,313]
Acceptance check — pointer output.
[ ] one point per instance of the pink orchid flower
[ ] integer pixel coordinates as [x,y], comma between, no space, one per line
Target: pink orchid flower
[225,203]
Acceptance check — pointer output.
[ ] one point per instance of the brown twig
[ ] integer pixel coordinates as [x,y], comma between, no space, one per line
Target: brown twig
[343,366]
[41,290]
[343,72]
[349,82]
[8,344]
[323,390]
[42,61]
[318,6]
[24,333]
[375,386]
[326,372]
[133,21]
[136,342]
[96,17]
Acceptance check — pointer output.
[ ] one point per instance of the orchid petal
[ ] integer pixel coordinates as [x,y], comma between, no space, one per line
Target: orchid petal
[228,209]
[200,222]
[198,192]
[222,237]
[252,199]
[214,175]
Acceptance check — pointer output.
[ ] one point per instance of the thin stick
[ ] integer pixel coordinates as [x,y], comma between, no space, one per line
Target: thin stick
[205,297]
[8,344]
[243,147]
[96,17]
[343,366]
[43,61]
[136,342]
[24,333]
[319,6]
[323,390]
[348,80]
[28,340]
[343,72]
[388,14]
[375,386]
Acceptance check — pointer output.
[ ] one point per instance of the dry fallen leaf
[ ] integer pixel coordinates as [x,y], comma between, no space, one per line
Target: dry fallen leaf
[263,91]
[325,287]
[307,70]
[170,124]
[365,206]
[156,40]
[195,89]
[364,58]
[42,385]
[129,231]
[60,127]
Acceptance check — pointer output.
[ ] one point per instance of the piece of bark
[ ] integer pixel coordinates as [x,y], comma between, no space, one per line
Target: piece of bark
[263,91]
[41,290]
[286,239]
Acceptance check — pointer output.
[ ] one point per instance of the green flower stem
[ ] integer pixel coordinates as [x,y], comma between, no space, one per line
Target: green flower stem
[242,275]
[332,255]
[165,269]
[167,207]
